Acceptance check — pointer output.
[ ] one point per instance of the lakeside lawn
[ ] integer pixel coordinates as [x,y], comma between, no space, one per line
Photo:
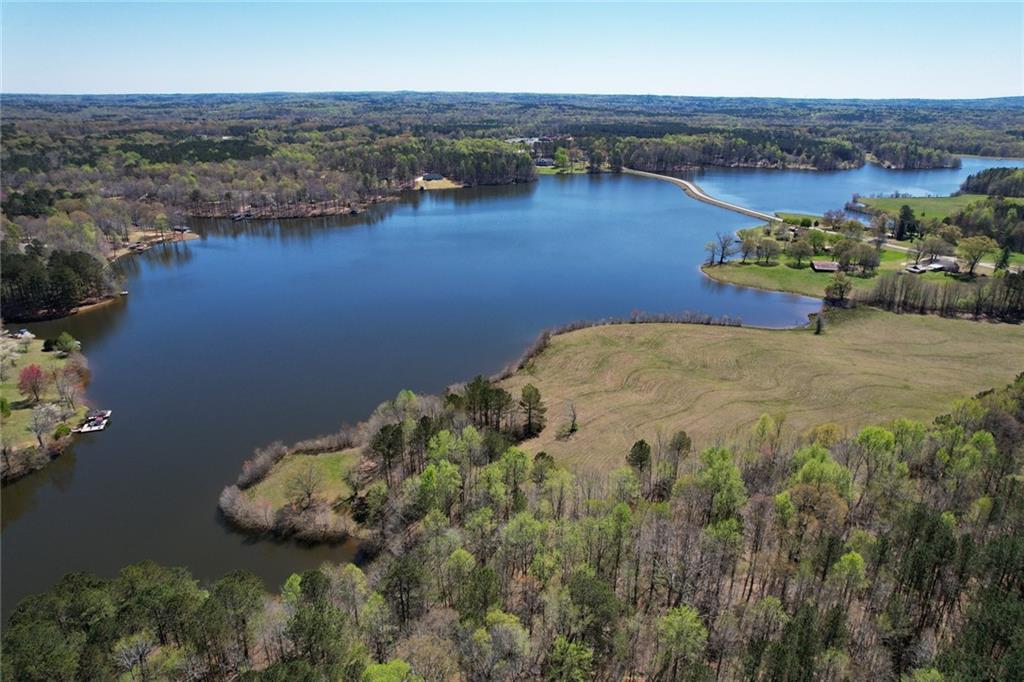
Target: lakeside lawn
[869,366]
[927,207]
[796,218]
[784,275]
[577,169]
[330,466]
[16,433]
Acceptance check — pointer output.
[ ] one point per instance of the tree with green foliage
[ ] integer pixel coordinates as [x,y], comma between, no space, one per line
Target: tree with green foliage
[838,288]
[800,250]
[682,638]
[561,158]
[639,456]
[973,249]
[906,224]
[569,661]
[533,410]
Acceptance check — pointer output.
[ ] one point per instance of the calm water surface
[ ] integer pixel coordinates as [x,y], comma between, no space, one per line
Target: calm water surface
[283,331]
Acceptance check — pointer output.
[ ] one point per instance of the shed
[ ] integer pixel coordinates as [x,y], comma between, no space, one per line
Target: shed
[824,266]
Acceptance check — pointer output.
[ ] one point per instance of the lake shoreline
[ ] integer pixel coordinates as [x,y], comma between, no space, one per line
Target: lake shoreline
[26,456]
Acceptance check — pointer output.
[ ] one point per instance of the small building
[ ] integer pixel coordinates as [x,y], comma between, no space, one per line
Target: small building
[181,229]
[824,266]
[433,176]
[545,162]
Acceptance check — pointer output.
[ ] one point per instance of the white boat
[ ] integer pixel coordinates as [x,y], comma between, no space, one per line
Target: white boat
[89,427]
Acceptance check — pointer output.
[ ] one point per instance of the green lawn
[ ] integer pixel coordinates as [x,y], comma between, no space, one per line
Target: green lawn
[795,218]
[577,169]
[16,432]
[926,207]
[784,275]
[332,467]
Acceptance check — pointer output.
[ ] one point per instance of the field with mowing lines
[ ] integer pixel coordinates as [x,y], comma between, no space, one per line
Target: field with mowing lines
[632,381]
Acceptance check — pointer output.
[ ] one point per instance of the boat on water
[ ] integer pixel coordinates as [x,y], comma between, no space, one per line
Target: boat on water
[96,420]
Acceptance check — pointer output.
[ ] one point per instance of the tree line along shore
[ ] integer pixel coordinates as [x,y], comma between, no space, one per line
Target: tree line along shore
[83,173]
[963,252]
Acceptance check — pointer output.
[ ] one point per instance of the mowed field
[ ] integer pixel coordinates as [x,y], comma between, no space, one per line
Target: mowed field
[927,207]
[633,381]
[784,275]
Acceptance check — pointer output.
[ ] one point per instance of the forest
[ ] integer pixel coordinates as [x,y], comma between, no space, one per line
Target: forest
[83,173]
[1003,182]
[895,552]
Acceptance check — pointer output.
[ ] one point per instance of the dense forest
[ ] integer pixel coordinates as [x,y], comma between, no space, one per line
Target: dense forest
[85,173]
[1003,182]
[896,552]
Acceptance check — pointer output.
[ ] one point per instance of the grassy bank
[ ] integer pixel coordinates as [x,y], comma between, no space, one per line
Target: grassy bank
[797,218]
[443,183]
[633,381]
[16,433]
[924,207]
[330,469]
[576,169]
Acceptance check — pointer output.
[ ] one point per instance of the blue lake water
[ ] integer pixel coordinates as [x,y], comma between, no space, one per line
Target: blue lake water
[258,332]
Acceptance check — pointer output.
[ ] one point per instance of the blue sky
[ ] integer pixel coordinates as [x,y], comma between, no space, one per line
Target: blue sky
[928,50]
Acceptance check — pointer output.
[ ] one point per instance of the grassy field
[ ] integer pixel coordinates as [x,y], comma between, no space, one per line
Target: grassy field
[331,466]
[926,207]
[795,218]
[936,207]
[443,183]
[633,381]
[784,275]
[16,432]
[577,169]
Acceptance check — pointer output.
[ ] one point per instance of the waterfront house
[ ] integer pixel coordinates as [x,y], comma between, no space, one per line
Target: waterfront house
[545,162]
[433,176]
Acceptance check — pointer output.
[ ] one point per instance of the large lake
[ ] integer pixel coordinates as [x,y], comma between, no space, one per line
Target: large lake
[283,331]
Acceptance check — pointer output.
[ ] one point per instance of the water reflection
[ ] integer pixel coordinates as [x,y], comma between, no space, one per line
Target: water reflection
[57,475]
[271,330]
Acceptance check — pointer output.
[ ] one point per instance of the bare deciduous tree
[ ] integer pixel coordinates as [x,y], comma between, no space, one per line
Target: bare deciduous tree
[44,418]
[304,486]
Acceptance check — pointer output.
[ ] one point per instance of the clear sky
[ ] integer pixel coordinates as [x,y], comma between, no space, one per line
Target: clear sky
[933,50]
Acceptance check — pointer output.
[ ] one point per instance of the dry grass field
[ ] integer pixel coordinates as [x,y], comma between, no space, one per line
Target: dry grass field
[632,381]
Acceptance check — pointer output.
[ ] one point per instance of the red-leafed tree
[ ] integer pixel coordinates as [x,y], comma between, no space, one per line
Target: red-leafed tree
[31,382]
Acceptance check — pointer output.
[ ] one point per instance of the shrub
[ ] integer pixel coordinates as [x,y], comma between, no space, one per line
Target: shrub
[62,431]
[66,343]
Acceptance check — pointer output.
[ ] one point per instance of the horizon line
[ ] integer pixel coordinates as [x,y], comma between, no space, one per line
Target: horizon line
[502,92]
